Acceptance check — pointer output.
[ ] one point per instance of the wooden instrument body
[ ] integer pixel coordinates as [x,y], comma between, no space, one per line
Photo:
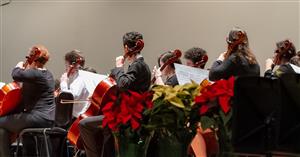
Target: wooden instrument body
[101,95]
[10,96]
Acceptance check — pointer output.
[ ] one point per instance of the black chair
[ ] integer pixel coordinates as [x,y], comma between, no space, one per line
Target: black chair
[63,117]
[255,120]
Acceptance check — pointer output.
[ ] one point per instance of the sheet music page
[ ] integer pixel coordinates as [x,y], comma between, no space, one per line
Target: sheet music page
[295,68]
[2,84]
[186,73]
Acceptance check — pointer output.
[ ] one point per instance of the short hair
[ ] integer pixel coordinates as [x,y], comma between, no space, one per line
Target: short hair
[90,69]
[195,54]
[130,38]
[167,55]
[75,56]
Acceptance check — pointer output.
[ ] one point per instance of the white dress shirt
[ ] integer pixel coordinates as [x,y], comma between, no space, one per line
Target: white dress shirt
[82,86]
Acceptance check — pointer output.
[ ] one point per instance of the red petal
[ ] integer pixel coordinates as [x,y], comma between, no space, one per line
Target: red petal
[203,109]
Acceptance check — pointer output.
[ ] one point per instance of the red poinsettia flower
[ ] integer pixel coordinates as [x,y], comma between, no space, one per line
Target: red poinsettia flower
[221,90]
[127,111]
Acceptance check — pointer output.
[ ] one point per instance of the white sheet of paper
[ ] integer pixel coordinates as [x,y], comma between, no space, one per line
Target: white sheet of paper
[186,73]
[2,84]
[295,68]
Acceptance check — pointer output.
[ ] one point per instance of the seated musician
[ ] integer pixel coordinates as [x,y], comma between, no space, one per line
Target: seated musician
[136,78]
[196,57]
[79,82]
[238,60]
[168,73]
[280,63]
[37,107]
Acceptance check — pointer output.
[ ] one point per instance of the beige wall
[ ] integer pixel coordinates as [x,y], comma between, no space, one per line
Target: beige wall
[96,28]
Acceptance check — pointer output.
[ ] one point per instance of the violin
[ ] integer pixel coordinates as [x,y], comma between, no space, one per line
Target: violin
[10,94]
[241,37]
[176,55]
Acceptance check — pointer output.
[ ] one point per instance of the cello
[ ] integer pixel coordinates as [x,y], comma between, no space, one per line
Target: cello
[281,52]
[10,94]
[100,96]
[176,55]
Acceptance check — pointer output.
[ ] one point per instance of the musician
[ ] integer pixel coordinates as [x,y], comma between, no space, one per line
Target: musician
[78,82]
[168,72]
[196,57]
[37,103]
[137,78]
[280,63]
[238,60]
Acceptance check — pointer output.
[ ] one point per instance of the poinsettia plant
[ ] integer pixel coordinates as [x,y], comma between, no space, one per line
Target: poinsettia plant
[126,109]
[172,106]
[214,107]
[123,114]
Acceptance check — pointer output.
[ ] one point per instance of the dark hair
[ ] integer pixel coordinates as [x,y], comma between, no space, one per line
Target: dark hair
[195,54]
[90,69]
[130,38]
[75,57]
[242,48]
[286,49]
[167,55]
[296,59]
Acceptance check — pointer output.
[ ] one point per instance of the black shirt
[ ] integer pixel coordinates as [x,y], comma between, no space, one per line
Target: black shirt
[172,81]
[233,66]
[37,91]
[283,69]
[137,78]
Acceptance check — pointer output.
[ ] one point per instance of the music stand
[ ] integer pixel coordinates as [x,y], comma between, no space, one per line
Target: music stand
[289,136]
[255,114]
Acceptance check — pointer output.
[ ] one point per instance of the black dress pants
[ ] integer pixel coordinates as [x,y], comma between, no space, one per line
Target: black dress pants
[98,142]
[15,123]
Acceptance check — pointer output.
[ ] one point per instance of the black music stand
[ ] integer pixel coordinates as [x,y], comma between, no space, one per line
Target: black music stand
[289,136]
[256,105]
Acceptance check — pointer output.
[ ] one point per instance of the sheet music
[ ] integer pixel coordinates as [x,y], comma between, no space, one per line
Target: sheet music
[1,84]
[295,68]
[186,73]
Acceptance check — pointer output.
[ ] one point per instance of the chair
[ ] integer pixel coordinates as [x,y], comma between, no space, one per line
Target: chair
[63,117]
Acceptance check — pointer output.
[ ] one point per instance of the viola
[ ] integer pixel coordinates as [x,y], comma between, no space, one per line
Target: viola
[101,95]
[10,94]
[176,55]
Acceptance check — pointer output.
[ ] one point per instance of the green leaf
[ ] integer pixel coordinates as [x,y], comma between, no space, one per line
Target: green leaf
[207,122]
[225,117]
